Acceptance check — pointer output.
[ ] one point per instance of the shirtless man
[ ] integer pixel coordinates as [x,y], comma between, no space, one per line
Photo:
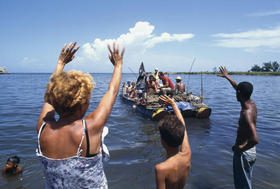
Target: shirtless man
[180,86]
[173,172]
[244,149]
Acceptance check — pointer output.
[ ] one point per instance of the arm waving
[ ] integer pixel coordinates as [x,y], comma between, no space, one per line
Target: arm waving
[67,55]
[224,74]
[98,118]
[168,101]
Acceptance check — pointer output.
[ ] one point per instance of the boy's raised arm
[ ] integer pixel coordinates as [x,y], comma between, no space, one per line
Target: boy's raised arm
[168,101]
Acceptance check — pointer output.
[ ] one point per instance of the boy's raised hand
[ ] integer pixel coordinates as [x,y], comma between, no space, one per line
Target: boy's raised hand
[167,101]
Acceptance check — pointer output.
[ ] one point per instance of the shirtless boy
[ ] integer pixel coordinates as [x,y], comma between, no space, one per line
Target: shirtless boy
[244,149]
[174,171]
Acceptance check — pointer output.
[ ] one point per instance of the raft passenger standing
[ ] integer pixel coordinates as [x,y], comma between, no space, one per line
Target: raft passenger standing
[245,145]
[156,75]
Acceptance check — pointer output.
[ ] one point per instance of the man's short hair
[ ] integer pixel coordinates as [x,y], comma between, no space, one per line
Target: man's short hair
[171,130]
[245,89]
[14,159]
[161,74]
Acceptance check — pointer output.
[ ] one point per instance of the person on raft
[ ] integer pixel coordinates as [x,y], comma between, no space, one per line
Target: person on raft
[180,86]
[151,85]
[168,86]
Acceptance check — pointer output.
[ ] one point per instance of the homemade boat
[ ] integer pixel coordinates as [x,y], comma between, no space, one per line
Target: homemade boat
[150,107]
[190,107]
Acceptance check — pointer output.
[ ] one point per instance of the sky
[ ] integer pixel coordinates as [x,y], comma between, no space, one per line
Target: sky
[168,35]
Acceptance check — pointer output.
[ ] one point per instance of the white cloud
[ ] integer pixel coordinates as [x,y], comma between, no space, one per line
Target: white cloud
[28,60]
[267,13]
[136,41]
[166,37]
[269,38]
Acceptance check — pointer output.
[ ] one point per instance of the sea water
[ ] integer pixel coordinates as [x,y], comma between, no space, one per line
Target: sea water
[134,142]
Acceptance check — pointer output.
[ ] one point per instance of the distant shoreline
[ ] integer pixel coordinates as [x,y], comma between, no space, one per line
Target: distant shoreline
[230,73]
[178,73]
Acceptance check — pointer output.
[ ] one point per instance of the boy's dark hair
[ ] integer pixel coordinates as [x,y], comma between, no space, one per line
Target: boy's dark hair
[161,74]
[245,89]
[14,159]
[171,130]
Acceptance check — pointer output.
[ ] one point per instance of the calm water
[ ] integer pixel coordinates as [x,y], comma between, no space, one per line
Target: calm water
[134,141]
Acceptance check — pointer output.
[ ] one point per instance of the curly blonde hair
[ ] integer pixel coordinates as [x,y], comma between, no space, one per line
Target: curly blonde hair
[67,91]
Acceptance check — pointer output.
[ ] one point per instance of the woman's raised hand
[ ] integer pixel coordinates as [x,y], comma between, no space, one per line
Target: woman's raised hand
[115,56]
[67,53]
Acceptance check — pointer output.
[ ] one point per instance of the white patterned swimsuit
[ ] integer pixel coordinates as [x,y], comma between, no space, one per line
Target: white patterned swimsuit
[75,172]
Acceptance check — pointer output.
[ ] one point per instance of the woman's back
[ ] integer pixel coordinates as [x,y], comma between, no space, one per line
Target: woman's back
[61,141]
[73,171]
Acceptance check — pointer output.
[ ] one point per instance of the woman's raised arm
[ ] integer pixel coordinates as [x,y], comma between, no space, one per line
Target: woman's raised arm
[67,55]
[97,119]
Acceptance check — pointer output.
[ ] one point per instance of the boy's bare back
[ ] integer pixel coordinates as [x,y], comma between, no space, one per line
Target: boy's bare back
[175,170]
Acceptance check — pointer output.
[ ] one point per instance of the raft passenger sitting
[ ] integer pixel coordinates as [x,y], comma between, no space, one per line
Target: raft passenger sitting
[133,92]
[127,89]
[151,85]
[168,86]
[180,86]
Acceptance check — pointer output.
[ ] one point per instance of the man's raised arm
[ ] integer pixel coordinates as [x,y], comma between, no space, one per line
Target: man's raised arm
[224,73]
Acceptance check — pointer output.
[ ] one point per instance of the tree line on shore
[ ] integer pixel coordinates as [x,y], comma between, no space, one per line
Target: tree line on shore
[266,67]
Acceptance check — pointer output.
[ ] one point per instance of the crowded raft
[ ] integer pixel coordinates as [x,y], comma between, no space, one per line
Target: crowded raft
[145,92]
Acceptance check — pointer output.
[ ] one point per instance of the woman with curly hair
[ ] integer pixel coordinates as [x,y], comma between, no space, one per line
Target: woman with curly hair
[71,149]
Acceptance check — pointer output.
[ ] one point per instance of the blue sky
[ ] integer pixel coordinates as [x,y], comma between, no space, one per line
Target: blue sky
[164,34]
